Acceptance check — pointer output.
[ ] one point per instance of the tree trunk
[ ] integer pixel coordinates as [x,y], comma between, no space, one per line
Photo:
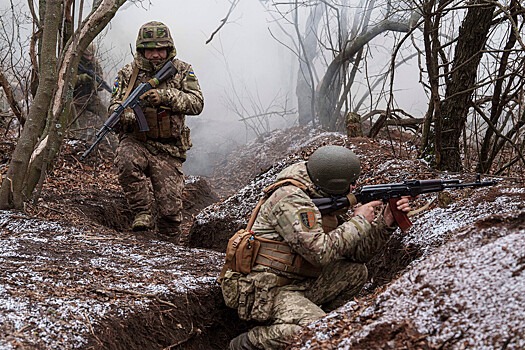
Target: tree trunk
[471,40]
[51,102]
[12,186]
[489,150]
[305,89]
[324,101]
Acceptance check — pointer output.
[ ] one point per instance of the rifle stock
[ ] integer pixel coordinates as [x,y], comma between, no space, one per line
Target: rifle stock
[390,193]
[133,102]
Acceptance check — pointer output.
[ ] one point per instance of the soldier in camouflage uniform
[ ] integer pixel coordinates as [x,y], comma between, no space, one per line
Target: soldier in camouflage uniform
[88,112]
[309,261]
[157,155]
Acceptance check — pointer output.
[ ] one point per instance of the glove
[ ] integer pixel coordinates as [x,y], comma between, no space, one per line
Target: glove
[127,119]
[84,78]
[152,96]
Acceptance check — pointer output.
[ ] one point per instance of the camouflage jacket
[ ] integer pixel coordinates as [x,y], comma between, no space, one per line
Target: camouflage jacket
[181,95]
[88,89]
[290,215]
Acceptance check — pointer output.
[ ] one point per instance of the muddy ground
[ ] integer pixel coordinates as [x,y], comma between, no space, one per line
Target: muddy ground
[74,276]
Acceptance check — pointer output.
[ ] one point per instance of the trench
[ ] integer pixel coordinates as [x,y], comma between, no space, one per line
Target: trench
[195,321]
[200,319]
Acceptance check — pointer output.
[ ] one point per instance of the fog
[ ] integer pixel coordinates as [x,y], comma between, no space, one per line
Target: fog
[242,56]
[246,68]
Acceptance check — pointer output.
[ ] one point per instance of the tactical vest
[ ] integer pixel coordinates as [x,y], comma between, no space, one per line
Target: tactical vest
[162,123]
[245,249]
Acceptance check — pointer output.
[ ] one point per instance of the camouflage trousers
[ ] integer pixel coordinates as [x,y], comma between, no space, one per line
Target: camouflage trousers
[294,309]
[137,169]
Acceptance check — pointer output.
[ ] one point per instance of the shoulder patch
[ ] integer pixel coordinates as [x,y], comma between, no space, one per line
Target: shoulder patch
[116,86]
[307,218]
[191,74]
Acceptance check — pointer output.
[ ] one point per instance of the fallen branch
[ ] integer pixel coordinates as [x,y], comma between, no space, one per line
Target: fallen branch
[131,292]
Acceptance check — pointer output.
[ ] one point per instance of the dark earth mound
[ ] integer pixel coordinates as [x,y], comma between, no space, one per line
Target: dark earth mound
[74,276]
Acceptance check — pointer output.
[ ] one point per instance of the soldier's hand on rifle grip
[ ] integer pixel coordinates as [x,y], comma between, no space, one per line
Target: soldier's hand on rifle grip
[127,120]
[83,79]
[152,96]
[367,210]
[402,207]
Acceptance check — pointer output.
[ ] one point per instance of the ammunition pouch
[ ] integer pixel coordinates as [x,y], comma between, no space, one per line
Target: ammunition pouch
[241,252]
[245,250]
[165,127]
[252,295]
[158,122]
[279,256]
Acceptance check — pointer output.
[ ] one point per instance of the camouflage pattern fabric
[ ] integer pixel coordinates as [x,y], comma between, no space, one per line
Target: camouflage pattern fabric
[293,308]
[88,87]
[154,35]
[181,95]
[290,215]
[88,112]
[141,158]
[136,167]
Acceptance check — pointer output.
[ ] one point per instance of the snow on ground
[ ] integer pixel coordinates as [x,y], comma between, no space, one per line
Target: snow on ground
[470,289]
[58,282]
[465,292]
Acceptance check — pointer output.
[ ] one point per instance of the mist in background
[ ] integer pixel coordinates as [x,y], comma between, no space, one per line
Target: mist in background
[242,63]
[242,71]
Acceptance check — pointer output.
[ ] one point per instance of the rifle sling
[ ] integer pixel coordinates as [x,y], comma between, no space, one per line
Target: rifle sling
[267,192]
[132,80]
[279,255]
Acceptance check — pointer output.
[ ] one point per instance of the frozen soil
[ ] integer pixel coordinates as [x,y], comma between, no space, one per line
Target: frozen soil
[66,288]
[74,277]
[466,294]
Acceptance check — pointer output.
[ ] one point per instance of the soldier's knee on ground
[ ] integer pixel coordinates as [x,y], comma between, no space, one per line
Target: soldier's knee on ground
[357,275]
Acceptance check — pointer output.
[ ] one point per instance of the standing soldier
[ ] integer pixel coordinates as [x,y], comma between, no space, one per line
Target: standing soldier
[155,157]
[303,260]
[89,111]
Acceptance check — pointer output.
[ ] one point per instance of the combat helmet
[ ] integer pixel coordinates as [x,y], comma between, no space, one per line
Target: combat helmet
[154,35]
[333,168]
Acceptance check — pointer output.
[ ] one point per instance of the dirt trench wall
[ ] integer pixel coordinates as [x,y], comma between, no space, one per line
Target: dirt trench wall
[192,321]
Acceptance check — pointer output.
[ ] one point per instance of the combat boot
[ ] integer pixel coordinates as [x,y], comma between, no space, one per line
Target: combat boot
[170,229]
[242,342]
[171,233]
[143,221]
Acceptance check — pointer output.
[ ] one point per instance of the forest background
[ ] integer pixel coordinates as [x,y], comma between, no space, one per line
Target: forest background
[449,71]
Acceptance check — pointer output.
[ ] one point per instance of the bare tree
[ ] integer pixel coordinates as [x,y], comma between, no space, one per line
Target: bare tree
[308,50]
[336,35]
[475,82]
[43,131]
[14,64]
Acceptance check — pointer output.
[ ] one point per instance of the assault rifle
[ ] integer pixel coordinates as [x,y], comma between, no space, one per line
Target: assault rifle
[390,193]
[166,72]
[98,78]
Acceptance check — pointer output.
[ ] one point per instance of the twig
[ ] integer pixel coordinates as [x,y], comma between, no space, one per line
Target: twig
[91,329]
[223,21]
[131,292]
[98,238]
[190,335]
[423,208]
